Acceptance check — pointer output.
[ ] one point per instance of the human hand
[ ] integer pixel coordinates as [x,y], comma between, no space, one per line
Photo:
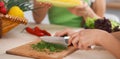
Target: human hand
[82,10]
[41,4]
[64,32]
[88,37]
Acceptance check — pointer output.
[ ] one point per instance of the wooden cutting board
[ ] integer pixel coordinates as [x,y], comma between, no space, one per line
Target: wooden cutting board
[26,50]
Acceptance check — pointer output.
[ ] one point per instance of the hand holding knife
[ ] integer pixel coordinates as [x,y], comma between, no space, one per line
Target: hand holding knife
[60,40]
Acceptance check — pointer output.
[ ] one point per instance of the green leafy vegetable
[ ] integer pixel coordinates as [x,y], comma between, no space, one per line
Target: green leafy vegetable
[90,22]
[103,24]
[114,24]
[46,46]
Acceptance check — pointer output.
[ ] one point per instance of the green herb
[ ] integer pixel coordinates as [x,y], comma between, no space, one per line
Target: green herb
[114,24]
[46,46]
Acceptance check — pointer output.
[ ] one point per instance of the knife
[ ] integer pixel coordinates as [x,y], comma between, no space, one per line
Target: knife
[57,40]
[60,40]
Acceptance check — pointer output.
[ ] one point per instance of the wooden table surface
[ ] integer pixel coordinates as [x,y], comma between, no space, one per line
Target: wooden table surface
[16,38]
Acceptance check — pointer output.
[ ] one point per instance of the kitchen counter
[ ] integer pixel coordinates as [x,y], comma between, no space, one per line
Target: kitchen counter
[18,37]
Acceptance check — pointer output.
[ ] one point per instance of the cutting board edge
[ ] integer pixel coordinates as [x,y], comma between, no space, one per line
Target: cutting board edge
[47,57]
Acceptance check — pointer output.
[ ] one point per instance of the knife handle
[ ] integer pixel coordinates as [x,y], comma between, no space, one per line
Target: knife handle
[64,35]
[66,38]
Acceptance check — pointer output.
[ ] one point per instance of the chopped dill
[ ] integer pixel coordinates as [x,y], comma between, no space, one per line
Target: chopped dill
[46,46]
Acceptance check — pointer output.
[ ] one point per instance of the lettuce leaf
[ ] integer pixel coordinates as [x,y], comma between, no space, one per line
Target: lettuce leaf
[90,22]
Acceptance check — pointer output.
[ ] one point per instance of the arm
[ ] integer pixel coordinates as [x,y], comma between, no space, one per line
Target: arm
[98,9]
[112,45]
[39,14]
[96,37]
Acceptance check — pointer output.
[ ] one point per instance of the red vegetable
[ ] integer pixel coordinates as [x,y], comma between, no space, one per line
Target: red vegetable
[29,30]
[46,33]
[39,34]
[1,4]
[37,31]
[3,10]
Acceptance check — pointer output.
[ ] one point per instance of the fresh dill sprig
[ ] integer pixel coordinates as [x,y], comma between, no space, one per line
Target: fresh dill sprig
[46,46]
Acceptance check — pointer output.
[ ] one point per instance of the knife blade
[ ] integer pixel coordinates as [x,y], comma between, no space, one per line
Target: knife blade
[60,40]
[57,40]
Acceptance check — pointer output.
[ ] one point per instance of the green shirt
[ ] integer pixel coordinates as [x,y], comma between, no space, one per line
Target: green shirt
[62,16]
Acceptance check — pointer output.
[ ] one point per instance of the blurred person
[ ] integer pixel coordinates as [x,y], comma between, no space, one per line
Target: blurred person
[73,17]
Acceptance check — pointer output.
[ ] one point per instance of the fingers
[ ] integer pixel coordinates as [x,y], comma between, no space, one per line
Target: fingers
[47,5]
[63,32]
[80,43]
[86,46]
[80,46]
[75,42]
[83,46]
[41,4]
[80,10]
[72,37]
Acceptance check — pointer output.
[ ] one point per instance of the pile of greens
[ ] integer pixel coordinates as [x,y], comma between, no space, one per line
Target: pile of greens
[50,47]
[103,24]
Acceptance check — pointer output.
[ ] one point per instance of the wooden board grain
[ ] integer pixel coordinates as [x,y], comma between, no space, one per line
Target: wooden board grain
[27,51]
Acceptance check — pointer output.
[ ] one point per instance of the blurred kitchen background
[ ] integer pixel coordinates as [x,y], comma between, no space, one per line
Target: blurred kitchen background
[113,7]
[113,11]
